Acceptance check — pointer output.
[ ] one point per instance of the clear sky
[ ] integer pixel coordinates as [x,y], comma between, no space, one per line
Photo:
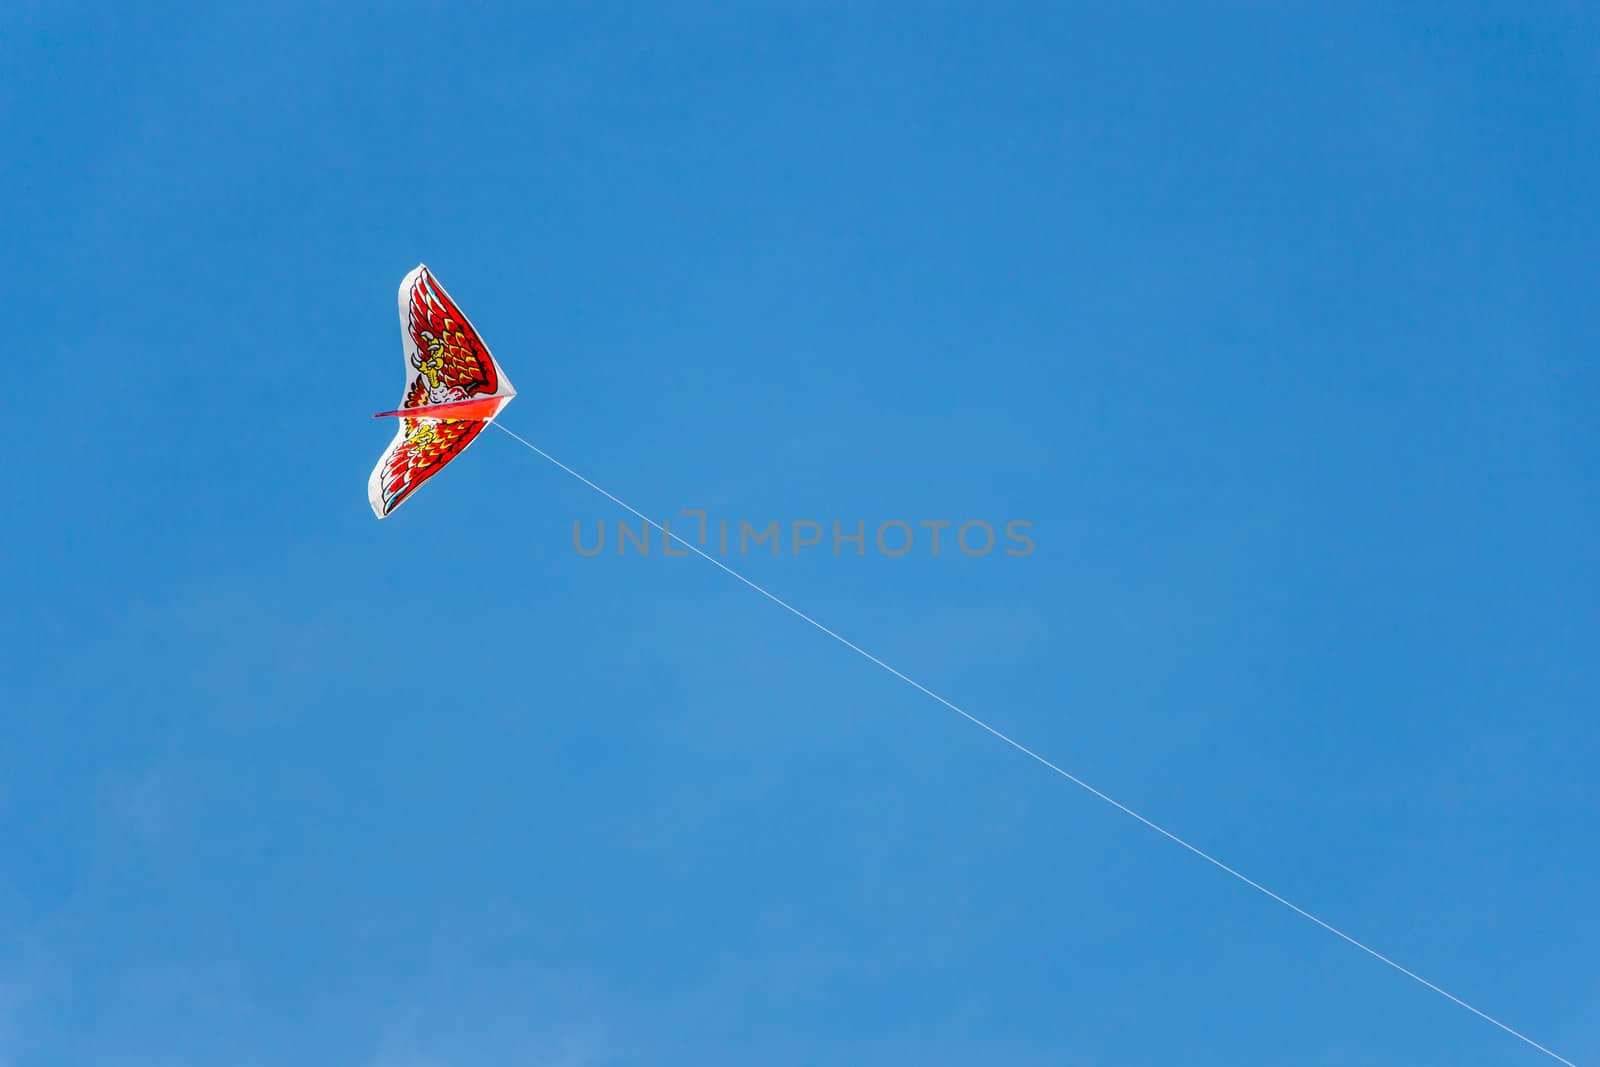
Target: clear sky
[1277,324]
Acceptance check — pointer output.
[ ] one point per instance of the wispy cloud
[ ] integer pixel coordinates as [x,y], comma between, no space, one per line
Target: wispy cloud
[549,1024]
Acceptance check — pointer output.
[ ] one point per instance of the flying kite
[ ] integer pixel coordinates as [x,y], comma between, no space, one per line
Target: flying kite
[454,388]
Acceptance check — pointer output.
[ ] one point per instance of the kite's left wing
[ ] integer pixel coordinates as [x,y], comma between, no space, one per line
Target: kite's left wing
[418,452]
[453,389]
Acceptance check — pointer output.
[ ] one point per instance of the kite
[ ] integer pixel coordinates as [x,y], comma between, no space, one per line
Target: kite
[454,388]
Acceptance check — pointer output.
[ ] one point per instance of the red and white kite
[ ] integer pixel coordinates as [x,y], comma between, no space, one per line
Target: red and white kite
[454,388]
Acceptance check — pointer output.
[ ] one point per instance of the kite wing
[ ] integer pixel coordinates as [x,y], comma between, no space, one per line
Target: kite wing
[453,389]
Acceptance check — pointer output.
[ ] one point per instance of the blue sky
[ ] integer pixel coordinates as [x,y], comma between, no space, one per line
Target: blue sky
[1276,323]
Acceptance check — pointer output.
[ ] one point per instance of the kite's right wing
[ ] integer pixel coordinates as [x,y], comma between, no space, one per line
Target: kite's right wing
[446,360]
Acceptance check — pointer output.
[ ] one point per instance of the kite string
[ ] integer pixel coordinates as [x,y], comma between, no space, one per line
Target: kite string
[1036,757]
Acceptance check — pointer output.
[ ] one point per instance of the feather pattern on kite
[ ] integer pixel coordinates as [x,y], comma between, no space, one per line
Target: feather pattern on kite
[453,389]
